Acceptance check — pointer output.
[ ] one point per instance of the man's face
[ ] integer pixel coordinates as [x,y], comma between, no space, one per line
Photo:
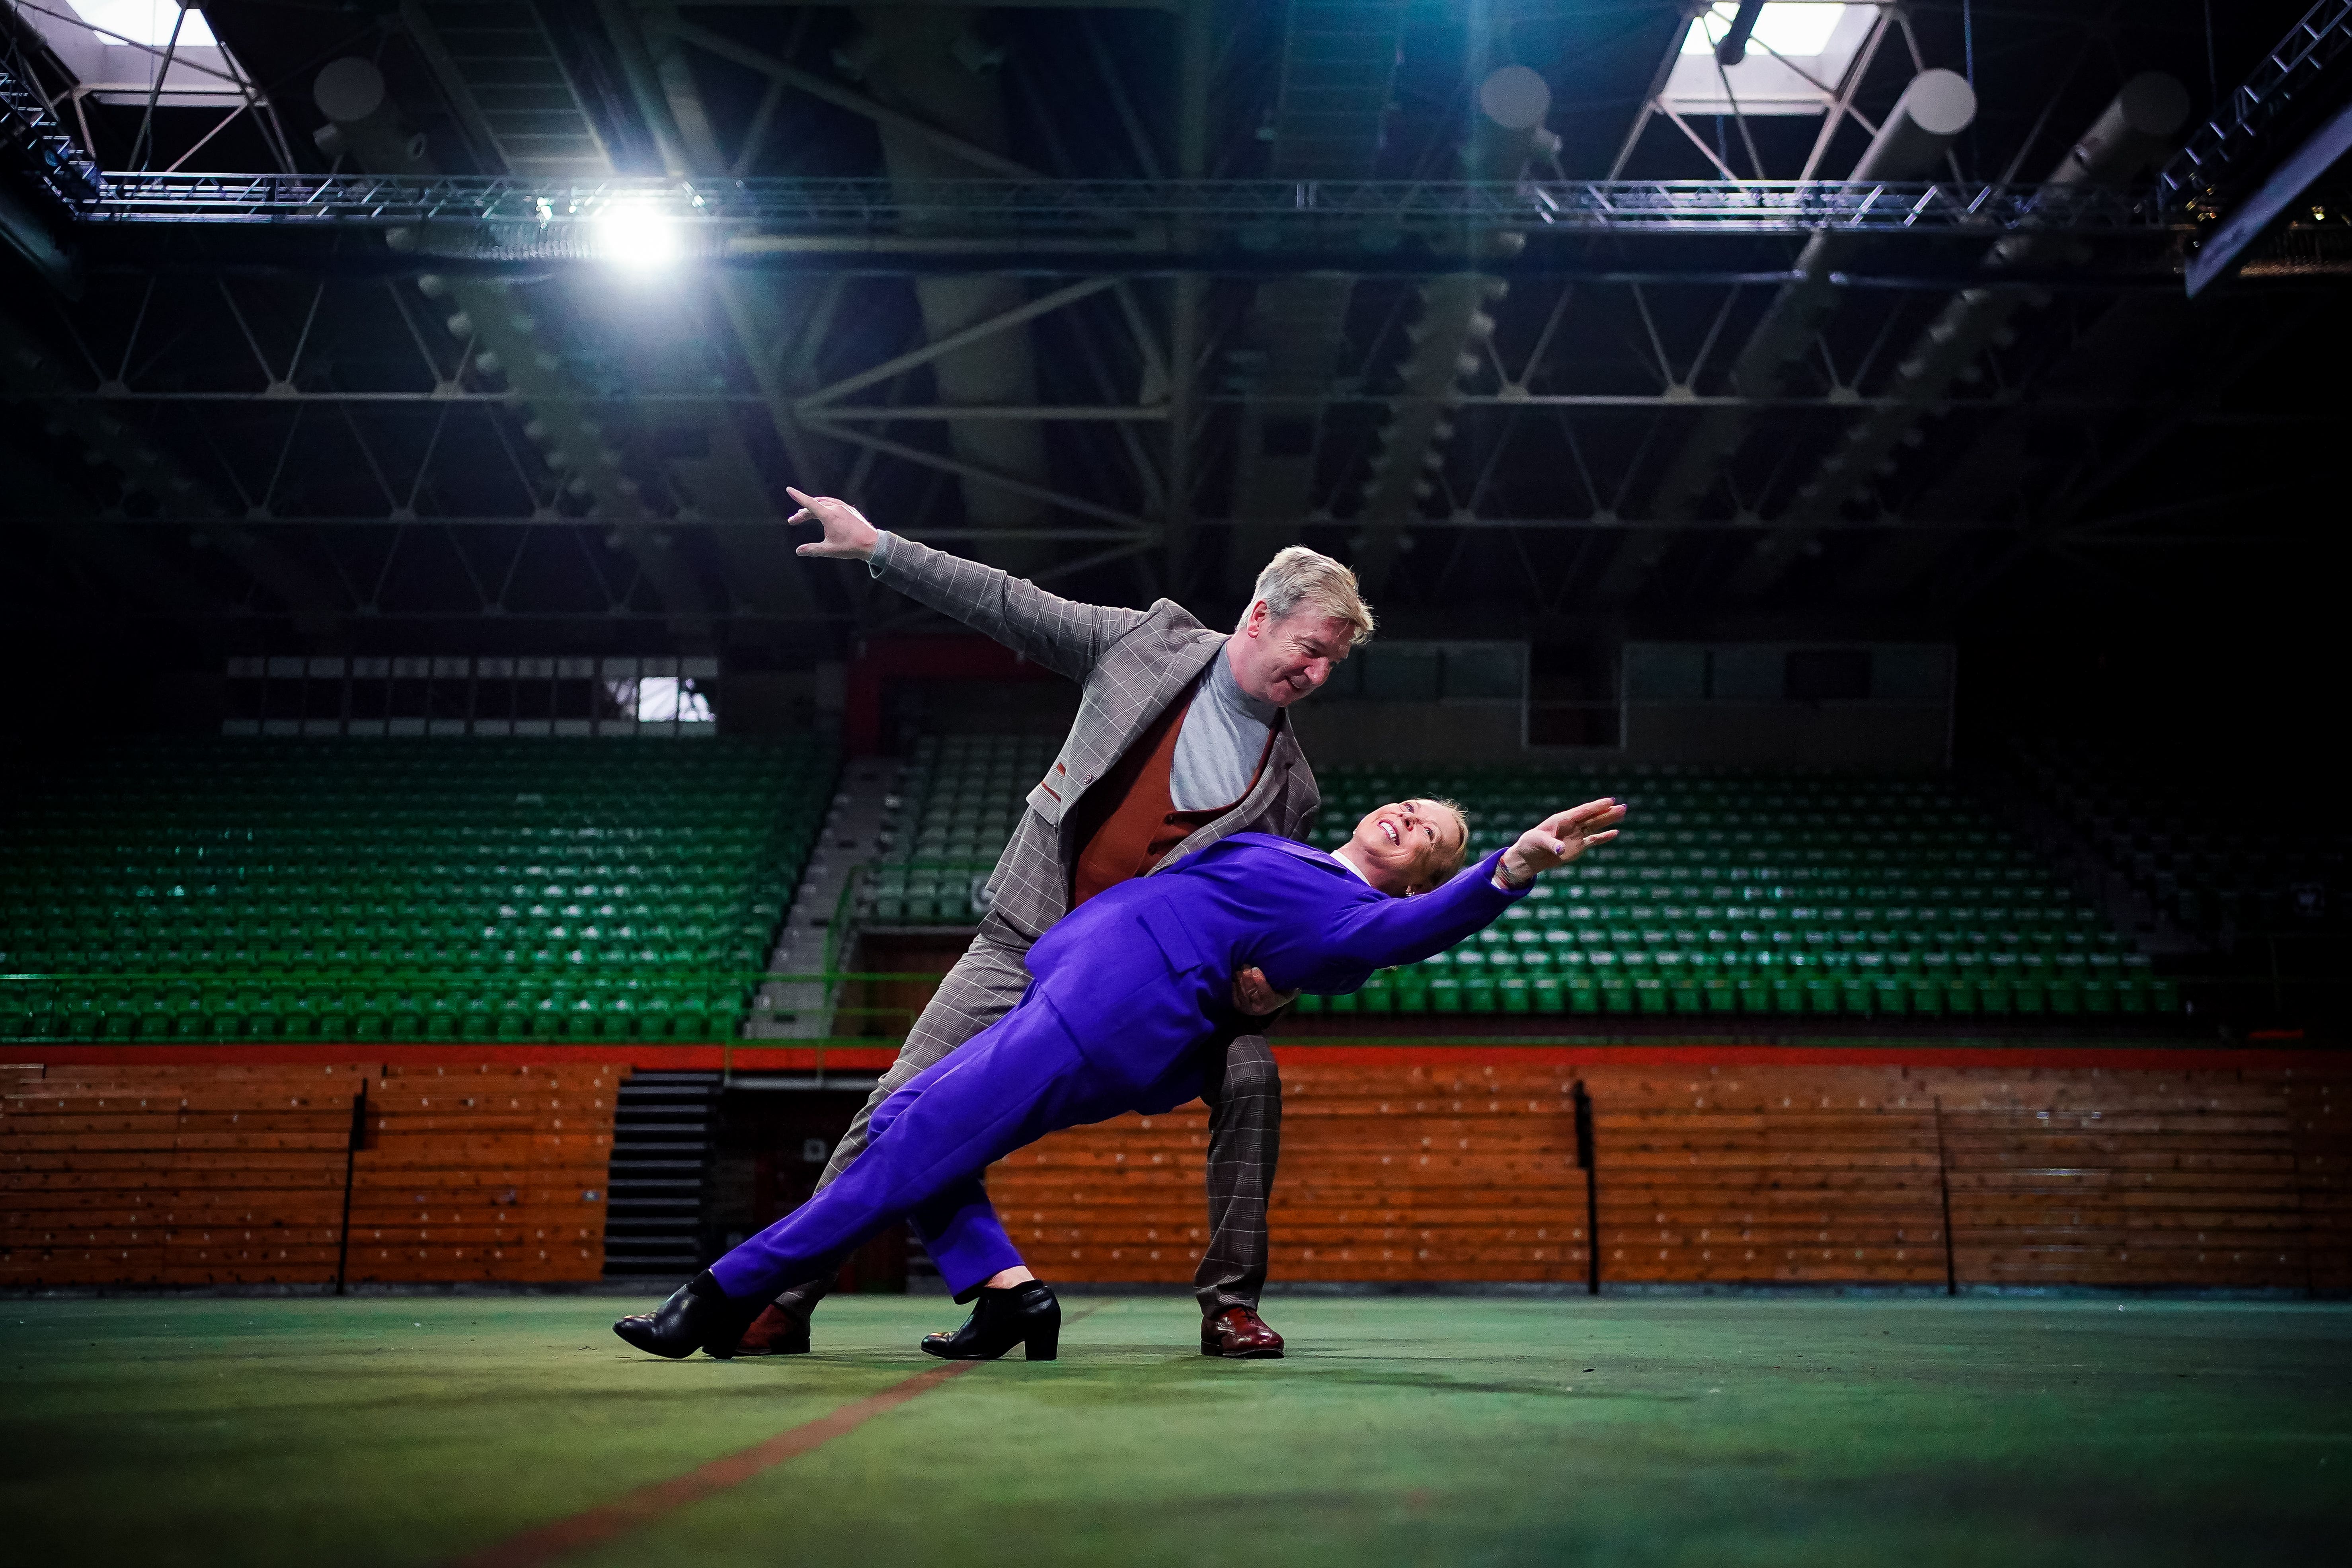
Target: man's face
[1282,661]
[1402,846]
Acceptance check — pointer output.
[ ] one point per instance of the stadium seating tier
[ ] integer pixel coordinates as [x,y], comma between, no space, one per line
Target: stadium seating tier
[1759,893]
[1730,892]
[392,890]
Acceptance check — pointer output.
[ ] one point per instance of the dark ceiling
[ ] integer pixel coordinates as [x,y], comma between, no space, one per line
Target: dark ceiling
[225,443]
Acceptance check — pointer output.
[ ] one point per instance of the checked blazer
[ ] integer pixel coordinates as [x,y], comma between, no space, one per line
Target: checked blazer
[1131,665]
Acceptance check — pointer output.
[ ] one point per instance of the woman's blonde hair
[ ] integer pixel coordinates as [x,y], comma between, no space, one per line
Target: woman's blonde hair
[1462,813]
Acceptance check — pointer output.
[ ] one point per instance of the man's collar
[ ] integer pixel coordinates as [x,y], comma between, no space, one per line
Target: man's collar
[1229,690]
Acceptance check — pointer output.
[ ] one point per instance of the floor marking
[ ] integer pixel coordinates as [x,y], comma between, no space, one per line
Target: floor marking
[593,1527]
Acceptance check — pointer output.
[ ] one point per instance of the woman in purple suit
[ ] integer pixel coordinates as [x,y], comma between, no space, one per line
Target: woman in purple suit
[1127,994]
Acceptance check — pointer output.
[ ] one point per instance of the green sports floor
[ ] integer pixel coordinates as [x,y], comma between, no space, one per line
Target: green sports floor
[1707,1431]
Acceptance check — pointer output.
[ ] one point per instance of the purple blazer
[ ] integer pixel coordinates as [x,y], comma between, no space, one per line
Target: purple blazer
[1142,975]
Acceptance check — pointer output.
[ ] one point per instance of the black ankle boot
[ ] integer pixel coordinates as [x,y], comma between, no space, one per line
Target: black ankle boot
[698,1316]
[1025,1315]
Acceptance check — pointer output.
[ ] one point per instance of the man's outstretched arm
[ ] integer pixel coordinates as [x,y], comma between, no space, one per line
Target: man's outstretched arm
[1063,635]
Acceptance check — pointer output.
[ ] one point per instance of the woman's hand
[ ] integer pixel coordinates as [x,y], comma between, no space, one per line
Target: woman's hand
[1560,838]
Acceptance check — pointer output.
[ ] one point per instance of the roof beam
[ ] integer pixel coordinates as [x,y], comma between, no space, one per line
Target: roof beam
[1935,108]
[504,341]
[2127,136]
[29,371]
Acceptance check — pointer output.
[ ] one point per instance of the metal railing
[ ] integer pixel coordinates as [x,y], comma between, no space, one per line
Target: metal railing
[426,1007]
[395,1005]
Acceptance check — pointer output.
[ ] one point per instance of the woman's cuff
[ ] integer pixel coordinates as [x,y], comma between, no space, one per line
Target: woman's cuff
[1503,884]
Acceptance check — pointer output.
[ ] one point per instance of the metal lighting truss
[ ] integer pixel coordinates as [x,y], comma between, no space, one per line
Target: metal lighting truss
[538,219]
[384,444]
[2232,144]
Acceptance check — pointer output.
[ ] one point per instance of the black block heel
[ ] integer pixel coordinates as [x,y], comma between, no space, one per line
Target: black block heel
[1026,1315]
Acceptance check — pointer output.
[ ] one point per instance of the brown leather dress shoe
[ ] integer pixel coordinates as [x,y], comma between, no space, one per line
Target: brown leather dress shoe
[775,1333]
[1239,1334]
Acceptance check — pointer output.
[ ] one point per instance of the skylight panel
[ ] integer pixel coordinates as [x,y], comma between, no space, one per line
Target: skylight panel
[146,22]
[115,51]
[1785,28]
[1798,55]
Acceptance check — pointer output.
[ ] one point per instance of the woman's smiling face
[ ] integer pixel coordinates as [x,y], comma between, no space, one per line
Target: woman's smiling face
[1409,845]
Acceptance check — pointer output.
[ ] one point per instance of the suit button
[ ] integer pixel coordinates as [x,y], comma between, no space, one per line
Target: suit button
[1086,778]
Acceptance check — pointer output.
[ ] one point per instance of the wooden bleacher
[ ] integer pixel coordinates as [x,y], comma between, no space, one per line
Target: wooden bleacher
[226,1174]
[1400,1164]
[1745,1174]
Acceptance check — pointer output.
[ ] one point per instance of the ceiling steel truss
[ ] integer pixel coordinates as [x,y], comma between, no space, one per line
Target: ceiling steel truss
[1080,360]
[544,218]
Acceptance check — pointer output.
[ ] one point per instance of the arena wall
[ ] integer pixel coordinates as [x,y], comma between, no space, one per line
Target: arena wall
[302,1173]
[1401,1165]
[1436,1165]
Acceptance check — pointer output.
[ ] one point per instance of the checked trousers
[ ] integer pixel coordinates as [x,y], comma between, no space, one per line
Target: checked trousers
[1243,1094]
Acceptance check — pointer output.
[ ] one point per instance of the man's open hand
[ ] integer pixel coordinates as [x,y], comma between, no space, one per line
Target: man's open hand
[1254,998]
[847,536]
[1560,838]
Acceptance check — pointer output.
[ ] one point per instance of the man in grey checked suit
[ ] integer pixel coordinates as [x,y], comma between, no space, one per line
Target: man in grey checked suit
[1182,738]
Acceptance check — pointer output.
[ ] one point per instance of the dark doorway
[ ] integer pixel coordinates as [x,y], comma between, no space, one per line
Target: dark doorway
[775,1135]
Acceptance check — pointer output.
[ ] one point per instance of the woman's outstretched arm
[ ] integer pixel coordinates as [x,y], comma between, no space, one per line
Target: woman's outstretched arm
[1365,935]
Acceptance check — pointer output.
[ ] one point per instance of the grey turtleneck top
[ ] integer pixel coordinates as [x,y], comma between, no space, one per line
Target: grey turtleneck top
[1218,748]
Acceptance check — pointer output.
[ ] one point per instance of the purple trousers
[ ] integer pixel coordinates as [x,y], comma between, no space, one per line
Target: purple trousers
[1010,1085]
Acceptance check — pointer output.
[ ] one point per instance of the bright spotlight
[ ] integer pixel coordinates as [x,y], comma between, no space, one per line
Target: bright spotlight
[636,237]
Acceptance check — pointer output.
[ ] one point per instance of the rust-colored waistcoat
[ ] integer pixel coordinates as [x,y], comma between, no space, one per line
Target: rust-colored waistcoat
[1128,822]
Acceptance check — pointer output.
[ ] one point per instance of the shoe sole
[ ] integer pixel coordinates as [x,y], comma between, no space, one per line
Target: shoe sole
[1275,1355]
[645,1345]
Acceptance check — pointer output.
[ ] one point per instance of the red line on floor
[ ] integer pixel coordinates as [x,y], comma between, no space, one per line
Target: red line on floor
[594,1526]
[2114,1058]
[745,1056]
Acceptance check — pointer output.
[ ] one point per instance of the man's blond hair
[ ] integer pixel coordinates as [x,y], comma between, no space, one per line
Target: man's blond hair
[1299,578]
